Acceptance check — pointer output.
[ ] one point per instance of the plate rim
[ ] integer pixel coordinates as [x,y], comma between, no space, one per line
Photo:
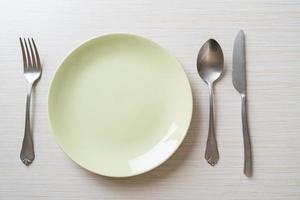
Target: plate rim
[184,132]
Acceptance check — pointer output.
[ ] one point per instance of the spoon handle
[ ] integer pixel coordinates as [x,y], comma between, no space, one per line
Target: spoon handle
[246,137]
[211,152]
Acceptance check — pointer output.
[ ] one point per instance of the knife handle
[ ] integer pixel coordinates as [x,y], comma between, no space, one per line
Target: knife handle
[246,138]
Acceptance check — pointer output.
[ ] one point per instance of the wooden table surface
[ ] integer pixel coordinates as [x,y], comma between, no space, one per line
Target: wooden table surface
[272,30]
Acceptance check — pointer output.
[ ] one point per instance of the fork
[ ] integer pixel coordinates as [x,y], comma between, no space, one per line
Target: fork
[32,73]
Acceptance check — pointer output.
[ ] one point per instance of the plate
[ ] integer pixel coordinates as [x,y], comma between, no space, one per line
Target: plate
[120,105]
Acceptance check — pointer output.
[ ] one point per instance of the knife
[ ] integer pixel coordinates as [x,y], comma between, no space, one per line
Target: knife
[240,84]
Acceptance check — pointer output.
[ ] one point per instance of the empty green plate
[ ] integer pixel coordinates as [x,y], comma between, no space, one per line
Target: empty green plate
[120,105]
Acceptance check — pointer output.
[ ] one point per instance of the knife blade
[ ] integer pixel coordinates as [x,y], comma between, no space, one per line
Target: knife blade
[240,84]
[239,63]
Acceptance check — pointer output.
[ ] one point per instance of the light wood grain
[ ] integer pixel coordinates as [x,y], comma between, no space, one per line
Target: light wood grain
[273,52]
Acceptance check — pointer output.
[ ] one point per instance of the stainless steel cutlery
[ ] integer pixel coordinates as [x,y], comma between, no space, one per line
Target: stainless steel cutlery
[240,83]
[32,72]
[210,63]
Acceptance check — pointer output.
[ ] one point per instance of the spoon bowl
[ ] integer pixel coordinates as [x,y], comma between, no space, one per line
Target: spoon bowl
[210,63]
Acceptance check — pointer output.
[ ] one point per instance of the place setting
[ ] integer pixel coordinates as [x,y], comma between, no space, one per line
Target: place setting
[120,104]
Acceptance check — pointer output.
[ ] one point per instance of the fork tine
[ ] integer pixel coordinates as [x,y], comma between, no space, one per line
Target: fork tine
[36,54]
[29,65]
[32,54]
[23,54]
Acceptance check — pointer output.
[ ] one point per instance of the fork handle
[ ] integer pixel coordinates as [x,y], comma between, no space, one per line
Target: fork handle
[27,151]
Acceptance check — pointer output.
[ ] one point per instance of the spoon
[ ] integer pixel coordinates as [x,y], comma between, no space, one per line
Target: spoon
[210,63]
